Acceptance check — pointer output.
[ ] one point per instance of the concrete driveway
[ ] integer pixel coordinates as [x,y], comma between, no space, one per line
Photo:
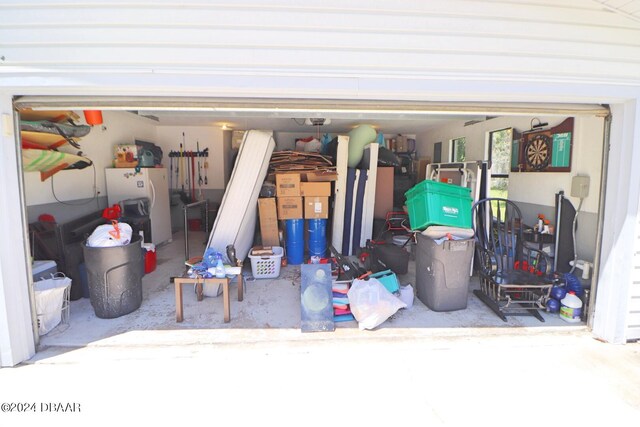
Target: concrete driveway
[516,376]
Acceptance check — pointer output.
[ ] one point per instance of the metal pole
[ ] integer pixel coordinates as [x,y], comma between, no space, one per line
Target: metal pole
[206,218]
[186,234]
[559,199]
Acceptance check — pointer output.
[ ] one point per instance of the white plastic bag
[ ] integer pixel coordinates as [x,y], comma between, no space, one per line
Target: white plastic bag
[371,303]
[50,300]
[406,295]
[105,236]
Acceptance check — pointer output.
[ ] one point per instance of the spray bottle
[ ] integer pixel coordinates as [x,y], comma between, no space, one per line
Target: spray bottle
[220,273]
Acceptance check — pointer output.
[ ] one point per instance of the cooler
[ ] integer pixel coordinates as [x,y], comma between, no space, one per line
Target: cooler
[43,269]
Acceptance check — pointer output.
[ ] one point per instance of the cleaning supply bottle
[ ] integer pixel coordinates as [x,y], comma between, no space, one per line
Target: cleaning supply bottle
[571,308]
[220,273]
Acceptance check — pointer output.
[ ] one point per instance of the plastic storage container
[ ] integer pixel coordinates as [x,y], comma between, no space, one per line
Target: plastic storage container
[442,273]
[266,267]
[115,278]
[43,269]
[436,203]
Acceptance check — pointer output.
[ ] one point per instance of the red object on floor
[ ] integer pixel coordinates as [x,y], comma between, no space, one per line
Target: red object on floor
[195,224]
[150,261]
[46,218]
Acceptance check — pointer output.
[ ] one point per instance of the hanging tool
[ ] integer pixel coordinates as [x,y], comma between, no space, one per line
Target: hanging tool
[176,182]
[183,196]
[181,166]
[206,167]
[170,172]
[187,182]
[193,176]
[199,172]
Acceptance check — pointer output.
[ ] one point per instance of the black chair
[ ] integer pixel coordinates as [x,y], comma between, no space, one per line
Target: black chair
[515,279]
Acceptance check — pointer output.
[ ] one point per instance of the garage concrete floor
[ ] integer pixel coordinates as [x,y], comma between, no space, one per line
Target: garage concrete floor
[269,304]
[418,368]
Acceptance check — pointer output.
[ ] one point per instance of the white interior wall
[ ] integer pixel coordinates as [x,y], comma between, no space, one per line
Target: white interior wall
[211,137]
[530,187]
[117,128]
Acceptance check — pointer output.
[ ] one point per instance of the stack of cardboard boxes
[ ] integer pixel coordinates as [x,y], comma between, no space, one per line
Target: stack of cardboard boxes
[295,199]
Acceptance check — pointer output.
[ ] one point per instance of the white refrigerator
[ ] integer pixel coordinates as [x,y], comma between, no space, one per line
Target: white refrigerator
[126,183]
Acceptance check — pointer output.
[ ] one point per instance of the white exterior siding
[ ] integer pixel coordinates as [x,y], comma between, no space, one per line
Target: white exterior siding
[525,40]
[460,50]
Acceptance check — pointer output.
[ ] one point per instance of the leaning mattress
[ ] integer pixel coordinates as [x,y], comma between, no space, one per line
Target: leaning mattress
[236,220]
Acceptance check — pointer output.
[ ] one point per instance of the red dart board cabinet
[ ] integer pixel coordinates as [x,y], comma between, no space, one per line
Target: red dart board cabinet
[548,150]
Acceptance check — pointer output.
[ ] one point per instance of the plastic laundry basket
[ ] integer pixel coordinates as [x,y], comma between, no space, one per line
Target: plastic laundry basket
[266,267]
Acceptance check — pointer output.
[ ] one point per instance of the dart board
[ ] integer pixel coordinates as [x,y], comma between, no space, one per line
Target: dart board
[548,150]
[537,152]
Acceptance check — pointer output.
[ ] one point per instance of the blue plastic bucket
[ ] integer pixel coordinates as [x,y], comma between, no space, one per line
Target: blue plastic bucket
[317,237]
[295,241]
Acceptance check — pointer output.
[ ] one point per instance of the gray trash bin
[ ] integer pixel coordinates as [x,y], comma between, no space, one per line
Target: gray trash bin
[442,273]
[114,275]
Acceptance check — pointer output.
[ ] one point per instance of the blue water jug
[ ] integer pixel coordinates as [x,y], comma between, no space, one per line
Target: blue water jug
[573,284]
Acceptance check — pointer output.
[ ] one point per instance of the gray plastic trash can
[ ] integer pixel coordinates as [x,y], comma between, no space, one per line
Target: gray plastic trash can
[442,273]
[114,275]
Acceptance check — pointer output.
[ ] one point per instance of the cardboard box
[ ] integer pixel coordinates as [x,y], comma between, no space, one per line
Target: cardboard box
[268,221]
[405,144]
[384,193]
[125,156]
[316,207]
[287,184]
[289,207]
[315,189]
[321,176]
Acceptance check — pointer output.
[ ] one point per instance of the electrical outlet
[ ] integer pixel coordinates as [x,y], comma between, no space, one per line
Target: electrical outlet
[580,186]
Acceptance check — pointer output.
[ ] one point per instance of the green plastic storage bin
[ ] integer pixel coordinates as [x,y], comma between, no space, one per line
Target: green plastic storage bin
[436,203]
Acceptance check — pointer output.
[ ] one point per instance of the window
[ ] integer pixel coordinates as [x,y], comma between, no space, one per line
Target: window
[500,158]
[458,150]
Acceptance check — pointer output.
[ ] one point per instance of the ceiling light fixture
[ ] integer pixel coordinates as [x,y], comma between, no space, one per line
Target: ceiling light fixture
[316,121]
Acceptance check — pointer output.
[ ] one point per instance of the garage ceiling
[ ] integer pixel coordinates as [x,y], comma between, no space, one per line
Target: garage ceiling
[297,124]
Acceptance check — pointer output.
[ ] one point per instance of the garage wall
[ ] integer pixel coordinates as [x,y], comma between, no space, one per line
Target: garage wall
[77,186]
[535,191]
[170,138]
